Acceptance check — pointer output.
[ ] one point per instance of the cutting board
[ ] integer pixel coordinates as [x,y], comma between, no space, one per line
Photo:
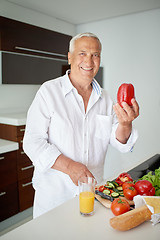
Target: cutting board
[107,203]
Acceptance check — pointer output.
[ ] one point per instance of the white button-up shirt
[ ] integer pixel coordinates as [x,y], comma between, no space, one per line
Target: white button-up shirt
[57,123]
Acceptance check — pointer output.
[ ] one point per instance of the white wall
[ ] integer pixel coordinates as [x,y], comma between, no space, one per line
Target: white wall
[19,97]
[22,14]
[131,53]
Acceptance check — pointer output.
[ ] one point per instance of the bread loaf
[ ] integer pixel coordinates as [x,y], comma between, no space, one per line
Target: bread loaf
[131,219]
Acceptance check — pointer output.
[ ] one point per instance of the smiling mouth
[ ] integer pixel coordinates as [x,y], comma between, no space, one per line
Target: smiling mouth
[87,69]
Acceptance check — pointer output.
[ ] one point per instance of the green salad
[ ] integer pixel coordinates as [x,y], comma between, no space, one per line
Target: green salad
[154,179]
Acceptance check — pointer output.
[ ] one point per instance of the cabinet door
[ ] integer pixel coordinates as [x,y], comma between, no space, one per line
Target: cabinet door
[25,38]
[27,69]
[8,168]
[8,201]
[26,193]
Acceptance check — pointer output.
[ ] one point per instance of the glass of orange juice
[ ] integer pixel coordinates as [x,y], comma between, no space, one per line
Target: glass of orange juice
[86,195]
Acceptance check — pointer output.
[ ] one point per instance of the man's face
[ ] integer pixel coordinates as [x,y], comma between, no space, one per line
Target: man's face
[85,59]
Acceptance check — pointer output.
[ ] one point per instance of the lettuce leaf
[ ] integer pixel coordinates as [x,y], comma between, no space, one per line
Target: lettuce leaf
[154,179]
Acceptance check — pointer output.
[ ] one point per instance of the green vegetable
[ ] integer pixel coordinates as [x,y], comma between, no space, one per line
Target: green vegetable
[107,192]
[114,194]
[154,179]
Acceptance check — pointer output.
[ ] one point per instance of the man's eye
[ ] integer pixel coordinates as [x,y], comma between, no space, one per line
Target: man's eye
[96,55]
[82,54]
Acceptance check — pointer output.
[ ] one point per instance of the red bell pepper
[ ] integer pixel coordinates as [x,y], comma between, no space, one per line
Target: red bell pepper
[125,93]
[124,177]
[145,188]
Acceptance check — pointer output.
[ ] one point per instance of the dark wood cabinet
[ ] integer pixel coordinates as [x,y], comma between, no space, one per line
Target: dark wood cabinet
[23,168]
[25,38]
[31,54]
[9,203]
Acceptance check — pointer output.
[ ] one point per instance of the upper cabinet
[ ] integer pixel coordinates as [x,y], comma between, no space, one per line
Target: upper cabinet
[30,54]
[25,38]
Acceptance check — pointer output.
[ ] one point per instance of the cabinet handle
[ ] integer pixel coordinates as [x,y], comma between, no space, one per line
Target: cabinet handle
[39,51]
[26,184]
[22,129]
[2,193]
[22,152]
[1,158]
[25,168]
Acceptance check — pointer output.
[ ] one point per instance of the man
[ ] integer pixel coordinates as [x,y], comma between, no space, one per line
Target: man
[70,124]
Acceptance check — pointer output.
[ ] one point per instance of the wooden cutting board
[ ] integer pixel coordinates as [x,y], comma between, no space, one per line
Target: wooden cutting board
[107,203]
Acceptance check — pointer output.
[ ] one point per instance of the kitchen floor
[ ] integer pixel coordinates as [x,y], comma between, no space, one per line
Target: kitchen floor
[15,221]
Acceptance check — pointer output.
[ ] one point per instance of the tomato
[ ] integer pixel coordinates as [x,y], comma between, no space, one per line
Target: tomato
[127,185]
[144,187]
[130,192]
[120,206]
[101,188]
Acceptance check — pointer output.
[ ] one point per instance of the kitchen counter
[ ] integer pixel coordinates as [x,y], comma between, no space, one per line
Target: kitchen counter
[8,146]
[16,119]
[65,222]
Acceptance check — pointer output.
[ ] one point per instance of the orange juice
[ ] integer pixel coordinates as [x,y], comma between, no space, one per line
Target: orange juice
[86,201]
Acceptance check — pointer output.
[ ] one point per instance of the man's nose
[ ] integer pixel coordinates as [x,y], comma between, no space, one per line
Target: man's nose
[89,60]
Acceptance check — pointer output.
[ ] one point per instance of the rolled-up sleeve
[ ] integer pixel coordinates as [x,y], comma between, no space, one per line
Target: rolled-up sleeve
[120,146]
[35,143]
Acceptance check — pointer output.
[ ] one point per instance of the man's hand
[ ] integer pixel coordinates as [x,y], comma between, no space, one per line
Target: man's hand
[78,170]
[75,170]
[125,117]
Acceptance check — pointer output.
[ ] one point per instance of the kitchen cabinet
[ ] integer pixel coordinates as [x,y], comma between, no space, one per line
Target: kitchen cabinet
[8,185]
[25,38]
[31,54]
[24,167]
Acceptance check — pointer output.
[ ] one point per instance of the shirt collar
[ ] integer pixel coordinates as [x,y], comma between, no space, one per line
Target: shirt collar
[67,85]
[96,87]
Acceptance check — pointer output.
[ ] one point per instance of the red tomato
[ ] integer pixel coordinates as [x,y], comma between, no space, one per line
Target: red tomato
[119,206]
[101,188]
[130,192]
[144,187]
[127,185]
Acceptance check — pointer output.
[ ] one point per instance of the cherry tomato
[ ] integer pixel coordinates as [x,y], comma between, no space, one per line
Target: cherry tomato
[130,192]
[127,185]
[120,206]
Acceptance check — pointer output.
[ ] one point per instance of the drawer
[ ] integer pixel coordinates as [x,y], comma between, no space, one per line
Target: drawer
[10,132]
[26,194]
[20,130]
[9,201]
[22,157]
[25,170]
[8,168]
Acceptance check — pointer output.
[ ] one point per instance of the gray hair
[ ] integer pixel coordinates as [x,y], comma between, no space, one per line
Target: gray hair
[80,35]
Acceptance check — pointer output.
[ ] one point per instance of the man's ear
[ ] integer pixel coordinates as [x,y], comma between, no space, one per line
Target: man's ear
[69,58]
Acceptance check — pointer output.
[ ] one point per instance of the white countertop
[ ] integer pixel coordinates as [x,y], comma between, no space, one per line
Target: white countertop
[16,119]
[65,222]
[8,146]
